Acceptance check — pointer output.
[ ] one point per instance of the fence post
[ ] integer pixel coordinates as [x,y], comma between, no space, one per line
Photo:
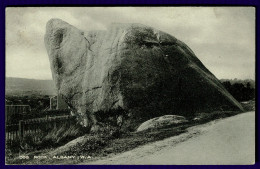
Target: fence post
[21,129]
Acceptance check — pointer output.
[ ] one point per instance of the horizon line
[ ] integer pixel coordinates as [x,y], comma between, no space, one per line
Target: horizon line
[52,79]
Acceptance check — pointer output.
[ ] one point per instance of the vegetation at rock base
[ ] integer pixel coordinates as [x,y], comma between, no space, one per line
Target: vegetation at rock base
[46,140]
[110,140]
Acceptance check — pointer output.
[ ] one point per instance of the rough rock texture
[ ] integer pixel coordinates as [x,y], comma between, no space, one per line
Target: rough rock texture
[160,122]
[135,69]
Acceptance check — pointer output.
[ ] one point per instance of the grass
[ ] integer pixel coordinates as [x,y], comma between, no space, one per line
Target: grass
[47,140]
[111,141]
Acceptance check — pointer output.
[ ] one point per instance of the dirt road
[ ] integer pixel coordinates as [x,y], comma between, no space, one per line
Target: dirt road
[226,141]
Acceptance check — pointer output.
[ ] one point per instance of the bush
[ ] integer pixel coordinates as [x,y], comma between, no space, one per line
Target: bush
[94,142]
[60,135]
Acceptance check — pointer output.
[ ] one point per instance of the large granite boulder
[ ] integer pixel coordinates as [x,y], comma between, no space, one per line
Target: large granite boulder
[132,70]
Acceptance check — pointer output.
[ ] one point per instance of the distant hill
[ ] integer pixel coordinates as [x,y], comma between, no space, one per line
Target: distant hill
[22,86]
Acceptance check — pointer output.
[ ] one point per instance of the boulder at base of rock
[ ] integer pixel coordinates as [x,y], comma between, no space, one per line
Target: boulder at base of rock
[161,122]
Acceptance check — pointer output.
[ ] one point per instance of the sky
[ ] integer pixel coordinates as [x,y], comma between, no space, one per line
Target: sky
[223,38]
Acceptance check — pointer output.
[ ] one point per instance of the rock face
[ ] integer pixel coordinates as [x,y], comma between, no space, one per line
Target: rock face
[131,69]
[160,122]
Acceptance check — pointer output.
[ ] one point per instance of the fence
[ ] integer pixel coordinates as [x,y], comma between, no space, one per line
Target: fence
[14,112]
[17,108]
[35,127]
[12,133]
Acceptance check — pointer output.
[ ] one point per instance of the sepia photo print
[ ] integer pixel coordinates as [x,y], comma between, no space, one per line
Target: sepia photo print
[130,85]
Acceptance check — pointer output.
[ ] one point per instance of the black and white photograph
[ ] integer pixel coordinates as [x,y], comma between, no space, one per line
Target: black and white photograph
[164,85]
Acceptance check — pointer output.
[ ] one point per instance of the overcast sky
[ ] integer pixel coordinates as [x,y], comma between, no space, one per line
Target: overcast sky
[223,38]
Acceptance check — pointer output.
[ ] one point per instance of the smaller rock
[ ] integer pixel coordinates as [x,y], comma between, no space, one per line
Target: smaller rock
[162,121]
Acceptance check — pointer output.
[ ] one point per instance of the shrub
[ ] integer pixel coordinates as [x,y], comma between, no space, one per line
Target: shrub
[57,136]
[94,142]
